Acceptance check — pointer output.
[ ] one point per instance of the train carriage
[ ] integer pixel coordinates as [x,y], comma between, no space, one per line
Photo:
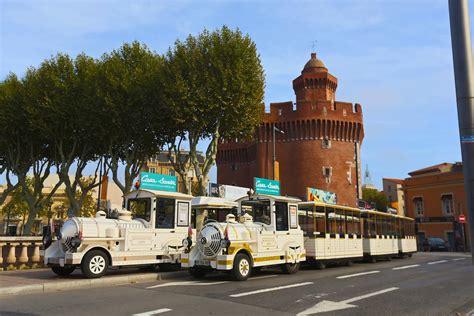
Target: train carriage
[386,235]
[265,233]
[149,232]
[332,233]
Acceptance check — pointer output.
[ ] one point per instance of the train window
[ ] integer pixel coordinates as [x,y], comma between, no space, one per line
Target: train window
[281,215]
[259,210]
[306,221]
[140,208]
[200,215]
[349,222]
[340,222]
[330,221]
[320,221]
[165,213]
[356,223]
[373,225]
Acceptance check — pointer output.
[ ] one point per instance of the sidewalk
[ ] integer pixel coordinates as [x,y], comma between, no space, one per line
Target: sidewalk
[44,280]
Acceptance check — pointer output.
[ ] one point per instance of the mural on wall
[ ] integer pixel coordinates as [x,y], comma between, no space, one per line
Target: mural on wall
[317,195]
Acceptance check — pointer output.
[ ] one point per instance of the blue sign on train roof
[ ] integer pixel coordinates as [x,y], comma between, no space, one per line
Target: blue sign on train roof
[161,182]
[267,186]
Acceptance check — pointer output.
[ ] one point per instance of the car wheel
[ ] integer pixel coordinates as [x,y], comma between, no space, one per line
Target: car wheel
[63,271]
[242,267]
[94,264]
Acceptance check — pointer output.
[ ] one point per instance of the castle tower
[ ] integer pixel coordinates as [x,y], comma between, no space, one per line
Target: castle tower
[320,147]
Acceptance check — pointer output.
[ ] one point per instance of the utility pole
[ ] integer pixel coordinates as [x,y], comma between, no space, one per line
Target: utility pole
[464,79]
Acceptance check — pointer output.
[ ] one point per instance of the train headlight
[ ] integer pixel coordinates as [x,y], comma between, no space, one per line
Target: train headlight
[225,243]
[187,242]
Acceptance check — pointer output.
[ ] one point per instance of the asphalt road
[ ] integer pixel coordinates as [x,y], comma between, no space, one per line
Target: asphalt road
[427,284]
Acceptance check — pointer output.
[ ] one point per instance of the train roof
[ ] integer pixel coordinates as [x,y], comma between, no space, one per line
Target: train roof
[315,203]
[212,202]
[386,214]
[156,193]
[266,196]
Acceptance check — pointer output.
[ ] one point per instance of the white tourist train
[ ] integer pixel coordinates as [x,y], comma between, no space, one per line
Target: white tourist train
[265,232]
[335,233]
[149,232]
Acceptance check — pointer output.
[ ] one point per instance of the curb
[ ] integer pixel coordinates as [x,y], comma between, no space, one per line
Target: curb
[88,283]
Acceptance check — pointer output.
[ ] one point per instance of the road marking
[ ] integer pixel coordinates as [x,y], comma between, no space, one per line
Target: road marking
[328,306]
[264,277]
[185,283]
[156,311]
[406,267]
[457,259]
[271,289]
[357,274]
[436,262]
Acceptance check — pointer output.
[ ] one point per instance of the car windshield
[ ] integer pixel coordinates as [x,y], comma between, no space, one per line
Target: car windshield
[437,240]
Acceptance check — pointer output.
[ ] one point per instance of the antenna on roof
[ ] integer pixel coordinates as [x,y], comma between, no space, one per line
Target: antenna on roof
[314,45]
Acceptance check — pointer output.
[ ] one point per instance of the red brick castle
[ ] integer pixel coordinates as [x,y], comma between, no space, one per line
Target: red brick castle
[320,147]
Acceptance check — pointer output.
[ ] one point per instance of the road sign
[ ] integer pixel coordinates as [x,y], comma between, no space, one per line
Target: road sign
[462,219]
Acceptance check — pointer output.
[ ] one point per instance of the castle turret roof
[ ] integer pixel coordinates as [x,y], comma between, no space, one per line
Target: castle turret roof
[314,65]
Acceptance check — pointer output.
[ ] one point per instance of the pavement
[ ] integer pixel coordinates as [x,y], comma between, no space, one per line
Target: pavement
[427,284]
[44,280]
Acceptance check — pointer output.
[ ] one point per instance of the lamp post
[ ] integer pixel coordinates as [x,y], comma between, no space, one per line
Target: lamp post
[275,129]
[464,80]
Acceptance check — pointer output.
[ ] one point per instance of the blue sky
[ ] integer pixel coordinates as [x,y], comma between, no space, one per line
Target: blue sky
[393,57]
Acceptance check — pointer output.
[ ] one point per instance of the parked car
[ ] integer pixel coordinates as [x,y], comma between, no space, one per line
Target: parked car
[435,244]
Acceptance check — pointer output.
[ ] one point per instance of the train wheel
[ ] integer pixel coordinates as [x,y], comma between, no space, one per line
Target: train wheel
[290,268]
[197,272]
[94,264]
[241,269]
[389,258]
[410,255]
[349,263]
[63,271]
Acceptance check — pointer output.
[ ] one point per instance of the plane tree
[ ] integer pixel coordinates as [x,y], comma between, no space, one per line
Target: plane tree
[214,84]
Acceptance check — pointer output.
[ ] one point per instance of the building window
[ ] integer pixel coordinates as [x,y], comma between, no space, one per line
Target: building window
[344,112]
[389,188]
[447,204]
[280,111]
[418,206]
[325,143]
[171,172]
[152,170]
[327,173]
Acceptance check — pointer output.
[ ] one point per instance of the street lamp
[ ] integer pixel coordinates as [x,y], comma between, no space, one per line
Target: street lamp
[275,129]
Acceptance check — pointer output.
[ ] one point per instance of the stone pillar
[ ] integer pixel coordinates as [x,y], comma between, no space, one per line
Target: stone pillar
[35,257]
[11,258]
[23,258]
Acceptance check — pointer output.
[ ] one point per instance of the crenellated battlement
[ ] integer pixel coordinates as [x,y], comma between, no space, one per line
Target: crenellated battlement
[284,111]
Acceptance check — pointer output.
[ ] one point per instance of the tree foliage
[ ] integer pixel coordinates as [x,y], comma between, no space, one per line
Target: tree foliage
[214,85]
[117,111]
[129,91]
[373,195]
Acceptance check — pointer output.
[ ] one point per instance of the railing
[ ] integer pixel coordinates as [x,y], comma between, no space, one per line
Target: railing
[19,252]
